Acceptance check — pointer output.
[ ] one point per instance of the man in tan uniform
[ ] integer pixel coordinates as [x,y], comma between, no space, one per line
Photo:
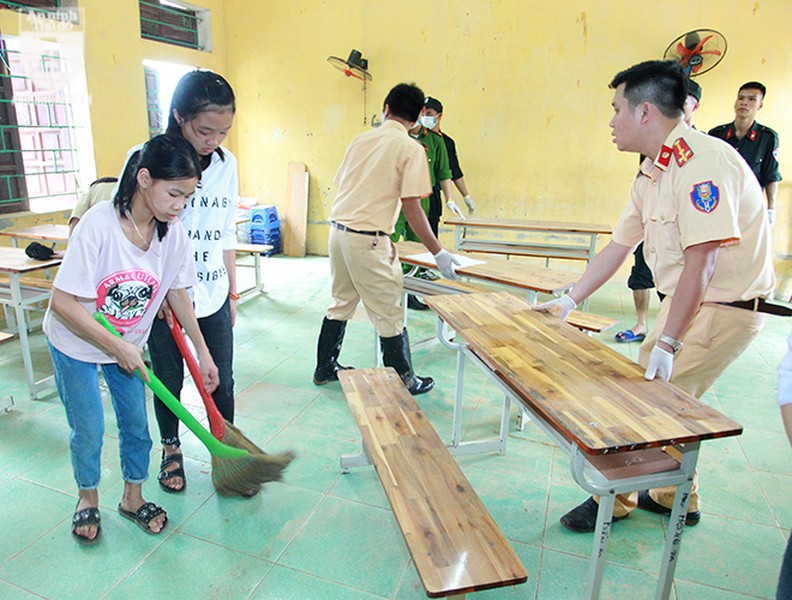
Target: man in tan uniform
[700,212]
[383,172]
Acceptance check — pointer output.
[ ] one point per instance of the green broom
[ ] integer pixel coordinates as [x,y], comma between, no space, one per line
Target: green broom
[238,468]
[231,477]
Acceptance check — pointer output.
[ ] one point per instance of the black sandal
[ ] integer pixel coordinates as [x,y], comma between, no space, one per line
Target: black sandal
[143,516]
[81,518]
[164,475]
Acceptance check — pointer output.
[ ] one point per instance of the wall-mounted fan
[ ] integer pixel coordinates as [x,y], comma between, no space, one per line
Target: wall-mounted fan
[698,51]
[356,67]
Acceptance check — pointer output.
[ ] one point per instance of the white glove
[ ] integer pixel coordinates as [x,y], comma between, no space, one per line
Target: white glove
[445,262]
[558,307]
[771,216]
[455,209]
[469,201]
[661,363]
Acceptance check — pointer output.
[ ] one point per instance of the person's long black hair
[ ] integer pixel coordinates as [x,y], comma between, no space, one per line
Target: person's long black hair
[197,92]
[165,157]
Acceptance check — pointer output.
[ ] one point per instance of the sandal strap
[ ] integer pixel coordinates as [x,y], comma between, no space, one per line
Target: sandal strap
[86,516]
[148,511]
[173,459]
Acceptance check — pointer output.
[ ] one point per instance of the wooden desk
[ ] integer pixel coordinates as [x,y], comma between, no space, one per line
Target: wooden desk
[592,401]
[545,239]
[522,276]
[41,233]
[15,263]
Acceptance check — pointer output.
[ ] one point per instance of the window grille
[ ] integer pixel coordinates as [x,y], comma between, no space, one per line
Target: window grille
[38,154]
[169,23]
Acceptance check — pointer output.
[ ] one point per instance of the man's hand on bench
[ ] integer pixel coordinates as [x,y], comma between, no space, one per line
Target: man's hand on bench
[558,307]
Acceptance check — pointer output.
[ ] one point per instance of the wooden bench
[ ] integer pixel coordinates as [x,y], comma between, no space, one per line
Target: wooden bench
[254,250]
[592,402]
[454,542]
[518,237]
[38,283]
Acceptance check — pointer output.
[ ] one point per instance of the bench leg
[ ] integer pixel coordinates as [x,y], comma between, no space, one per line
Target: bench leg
[600,549]
[676,524]
[8,400]
[349,461]
[456,432]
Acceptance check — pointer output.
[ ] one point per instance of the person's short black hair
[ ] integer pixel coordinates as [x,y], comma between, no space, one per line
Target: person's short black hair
[662,83]
[405,101]
[754,85]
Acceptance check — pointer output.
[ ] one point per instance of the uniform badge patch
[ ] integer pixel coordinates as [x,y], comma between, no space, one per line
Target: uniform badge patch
[752,137]
[664,158]
[682,152]
[705,196]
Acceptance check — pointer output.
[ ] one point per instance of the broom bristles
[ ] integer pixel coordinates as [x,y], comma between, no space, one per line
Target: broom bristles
[240,476]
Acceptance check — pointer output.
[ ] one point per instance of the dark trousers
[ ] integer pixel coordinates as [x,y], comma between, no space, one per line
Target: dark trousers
[435,210]
[167,364]
[785,578]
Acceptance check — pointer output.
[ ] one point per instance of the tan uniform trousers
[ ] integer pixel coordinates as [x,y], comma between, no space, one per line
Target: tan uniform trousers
[366,268]
[717,336]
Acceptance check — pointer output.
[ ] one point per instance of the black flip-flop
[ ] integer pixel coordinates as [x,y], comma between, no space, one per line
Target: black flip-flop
[81,518]
[143,516]
[164,475]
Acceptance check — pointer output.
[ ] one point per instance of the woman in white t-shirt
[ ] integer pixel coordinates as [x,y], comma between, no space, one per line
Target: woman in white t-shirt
[202,112]
[123,259]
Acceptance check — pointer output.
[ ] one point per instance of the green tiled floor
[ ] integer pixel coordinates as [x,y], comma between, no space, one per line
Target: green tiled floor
[324,535]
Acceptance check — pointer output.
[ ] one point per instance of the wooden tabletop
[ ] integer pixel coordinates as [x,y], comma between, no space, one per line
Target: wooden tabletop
[507,272]
[591,394]
[14,260]
[48,233]
[546,226]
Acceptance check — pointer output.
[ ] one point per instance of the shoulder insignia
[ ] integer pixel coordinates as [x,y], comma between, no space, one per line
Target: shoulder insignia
[705,196]
[682,152]
[752,137]
[664,158]
[729,132]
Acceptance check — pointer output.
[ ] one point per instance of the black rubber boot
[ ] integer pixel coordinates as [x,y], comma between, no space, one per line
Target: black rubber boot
[396,354]
[327,350]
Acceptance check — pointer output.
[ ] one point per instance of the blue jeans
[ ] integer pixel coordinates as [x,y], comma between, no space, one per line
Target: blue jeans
[168,366]
[78,387]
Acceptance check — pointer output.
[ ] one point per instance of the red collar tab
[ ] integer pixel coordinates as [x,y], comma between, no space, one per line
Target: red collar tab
[753,135]
[664,157]
[729,133]
[682,152]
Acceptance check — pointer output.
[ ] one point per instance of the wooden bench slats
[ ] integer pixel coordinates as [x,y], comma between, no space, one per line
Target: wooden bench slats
[598,398]
[536,250]
[528,225]
[455,544]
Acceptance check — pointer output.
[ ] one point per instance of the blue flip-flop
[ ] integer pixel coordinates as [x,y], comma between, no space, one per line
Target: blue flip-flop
[627,336]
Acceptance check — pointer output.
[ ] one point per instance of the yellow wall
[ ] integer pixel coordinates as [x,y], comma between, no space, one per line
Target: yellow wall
[524,84]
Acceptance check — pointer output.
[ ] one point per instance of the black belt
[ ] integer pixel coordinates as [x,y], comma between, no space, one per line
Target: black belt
[341,227]
[761,305]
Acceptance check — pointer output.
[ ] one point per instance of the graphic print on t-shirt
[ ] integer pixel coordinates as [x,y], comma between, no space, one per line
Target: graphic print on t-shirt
[124,296]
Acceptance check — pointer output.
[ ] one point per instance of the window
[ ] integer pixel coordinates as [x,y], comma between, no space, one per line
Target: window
[44,117]
[42,5]
[175,23]
[161,80]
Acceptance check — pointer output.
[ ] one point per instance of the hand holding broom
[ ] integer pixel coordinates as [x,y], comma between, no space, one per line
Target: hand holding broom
[215,447]
[230,477]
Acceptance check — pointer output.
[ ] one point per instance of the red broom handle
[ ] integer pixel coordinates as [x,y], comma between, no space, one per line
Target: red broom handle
[216,422]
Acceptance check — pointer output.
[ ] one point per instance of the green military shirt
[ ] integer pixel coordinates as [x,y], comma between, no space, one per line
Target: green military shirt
[759,148]
[436,154]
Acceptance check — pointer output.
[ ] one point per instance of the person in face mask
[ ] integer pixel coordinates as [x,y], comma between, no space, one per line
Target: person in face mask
[433,115]
[440,175]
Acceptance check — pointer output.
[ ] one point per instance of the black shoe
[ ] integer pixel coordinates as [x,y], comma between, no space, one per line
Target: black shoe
[645,502]
[583,518]
[322,377]
[426,274]
[419,385]
[327,350]
[415,304]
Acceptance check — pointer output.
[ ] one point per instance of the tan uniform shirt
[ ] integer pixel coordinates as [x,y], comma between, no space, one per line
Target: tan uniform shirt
[380,167]
[697,190]
[98,192]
